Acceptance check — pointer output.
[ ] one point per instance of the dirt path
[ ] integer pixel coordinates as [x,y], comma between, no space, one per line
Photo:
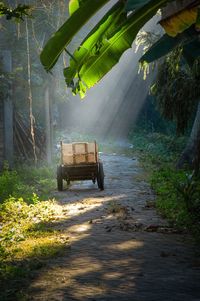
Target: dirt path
[120,248]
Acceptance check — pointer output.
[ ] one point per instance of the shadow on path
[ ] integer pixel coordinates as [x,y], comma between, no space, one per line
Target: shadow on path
[112,257]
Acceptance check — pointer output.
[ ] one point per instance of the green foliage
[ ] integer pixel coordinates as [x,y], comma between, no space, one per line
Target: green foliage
[178,198]
[164,182]
[41,179]
[151,121]
[177,192]
[17,217]
[92,43]
[58,42]
[26,180]
[88,72]
[74,5]
[156,148]
[189,190]
[18,13]
[110,50]
[10,184]
[26,241]
[176,90]
[135,4]
[166,44]
[191,52]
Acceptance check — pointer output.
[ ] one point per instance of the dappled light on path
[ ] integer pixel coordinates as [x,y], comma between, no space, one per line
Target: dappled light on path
[119,249]
[127,245]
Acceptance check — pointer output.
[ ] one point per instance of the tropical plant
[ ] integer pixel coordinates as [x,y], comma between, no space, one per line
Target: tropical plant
[114,34]
[104,45]
[177,96]
[176,89]
[102,48]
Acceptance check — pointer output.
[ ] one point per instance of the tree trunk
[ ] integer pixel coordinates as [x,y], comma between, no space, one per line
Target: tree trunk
[191,152]
[8,111]
[48,126]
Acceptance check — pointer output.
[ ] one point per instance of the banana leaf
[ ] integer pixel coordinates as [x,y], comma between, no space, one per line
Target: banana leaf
[74,5]
[135,4]
[167,43]
[93,42]
[58,42]
[180,21]
[100,63]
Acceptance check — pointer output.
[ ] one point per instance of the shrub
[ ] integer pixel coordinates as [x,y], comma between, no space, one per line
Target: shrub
[9,183]
[178,198]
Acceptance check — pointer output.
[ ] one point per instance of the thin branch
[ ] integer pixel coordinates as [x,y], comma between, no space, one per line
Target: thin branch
[30,94]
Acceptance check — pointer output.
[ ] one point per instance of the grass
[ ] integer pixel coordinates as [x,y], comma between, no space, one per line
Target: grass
[26,180]
[157,148]
[27,217]
[27,240]
[178,192]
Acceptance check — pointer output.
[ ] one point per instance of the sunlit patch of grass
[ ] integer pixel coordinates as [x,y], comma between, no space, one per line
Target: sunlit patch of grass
[25,256]
[25,260]
[23,226]
[17,217]
[27,240]
[48,245]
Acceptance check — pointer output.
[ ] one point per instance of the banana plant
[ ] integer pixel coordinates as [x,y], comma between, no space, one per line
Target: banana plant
[188,40]
[61,38]
[94,41]
[104,45]
[182,30]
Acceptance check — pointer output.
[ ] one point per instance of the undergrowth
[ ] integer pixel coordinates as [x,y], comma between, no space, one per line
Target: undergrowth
[178,191]
[155,147]
[27,234]
[26,180]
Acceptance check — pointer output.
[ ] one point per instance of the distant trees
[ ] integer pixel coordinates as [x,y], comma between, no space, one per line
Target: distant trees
[22,40]
[177,91]
[18,13]
[115,32]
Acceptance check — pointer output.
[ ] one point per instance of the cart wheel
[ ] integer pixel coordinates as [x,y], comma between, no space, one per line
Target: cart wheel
[100,176]
[59,179]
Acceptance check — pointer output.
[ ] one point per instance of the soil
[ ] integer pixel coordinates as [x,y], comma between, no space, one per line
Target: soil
[120,248]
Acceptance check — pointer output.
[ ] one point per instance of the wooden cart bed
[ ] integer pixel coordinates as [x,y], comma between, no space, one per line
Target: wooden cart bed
[80,161]
[79,153]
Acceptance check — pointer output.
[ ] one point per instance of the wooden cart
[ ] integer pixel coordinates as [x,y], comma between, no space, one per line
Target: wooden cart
[80,161]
